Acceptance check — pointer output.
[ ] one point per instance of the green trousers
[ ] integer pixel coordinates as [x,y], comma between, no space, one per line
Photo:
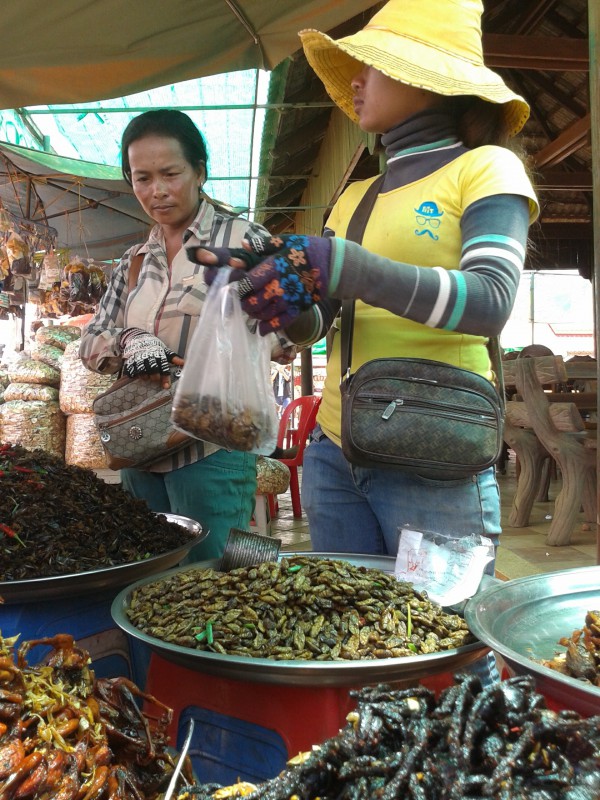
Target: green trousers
[218,492]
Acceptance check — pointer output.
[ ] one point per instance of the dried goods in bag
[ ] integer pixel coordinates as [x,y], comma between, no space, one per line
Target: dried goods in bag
[224,395]
[31,391]
[50,272]
[34,424]
[30,371]
[48,354]
[4,263]
[57,335]
[79,386]
[18,255]
[83,447]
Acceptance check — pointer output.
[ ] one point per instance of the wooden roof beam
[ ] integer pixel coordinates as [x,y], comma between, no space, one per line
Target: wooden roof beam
[566,100]
[546,53]
[555,180]
[302,138]
[569,141]
[566,230]
[533,16]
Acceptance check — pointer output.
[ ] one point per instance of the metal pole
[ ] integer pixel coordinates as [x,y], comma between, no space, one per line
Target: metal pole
[594,42]
[306,378]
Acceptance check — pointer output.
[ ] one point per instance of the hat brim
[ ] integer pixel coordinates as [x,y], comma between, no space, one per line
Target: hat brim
[401,58]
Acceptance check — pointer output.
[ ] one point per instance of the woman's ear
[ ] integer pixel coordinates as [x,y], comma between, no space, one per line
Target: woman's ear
[201,174]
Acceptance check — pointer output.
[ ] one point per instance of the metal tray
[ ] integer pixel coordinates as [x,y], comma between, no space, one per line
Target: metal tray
[299,673]
[61,586]
[524,619]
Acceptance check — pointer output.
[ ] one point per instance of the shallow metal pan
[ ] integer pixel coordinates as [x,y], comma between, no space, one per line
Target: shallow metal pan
[61,586]
[523,620]
[299,673]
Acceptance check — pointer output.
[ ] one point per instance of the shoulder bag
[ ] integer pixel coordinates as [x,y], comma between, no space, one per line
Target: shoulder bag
[133,416]
[416,415]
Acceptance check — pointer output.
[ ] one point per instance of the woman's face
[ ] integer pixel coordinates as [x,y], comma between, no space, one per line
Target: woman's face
[164,182]
[381,103]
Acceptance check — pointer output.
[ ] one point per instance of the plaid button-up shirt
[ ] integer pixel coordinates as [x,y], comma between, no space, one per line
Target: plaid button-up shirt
[166,302]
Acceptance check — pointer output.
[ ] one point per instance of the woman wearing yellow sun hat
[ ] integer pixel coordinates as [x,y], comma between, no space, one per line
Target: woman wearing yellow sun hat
[437,273]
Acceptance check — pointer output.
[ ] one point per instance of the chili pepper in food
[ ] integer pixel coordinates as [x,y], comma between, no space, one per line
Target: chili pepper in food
[12,534]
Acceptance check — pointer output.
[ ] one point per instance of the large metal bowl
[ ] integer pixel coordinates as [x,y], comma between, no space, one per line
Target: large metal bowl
[524,619]
[96,580]
[298,673]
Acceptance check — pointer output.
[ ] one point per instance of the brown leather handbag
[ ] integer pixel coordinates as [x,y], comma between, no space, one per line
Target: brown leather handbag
[133,416]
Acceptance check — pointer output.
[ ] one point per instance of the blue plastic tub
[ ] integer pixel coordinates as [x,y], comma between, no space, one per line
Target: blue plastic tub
[224,749]
[88,619]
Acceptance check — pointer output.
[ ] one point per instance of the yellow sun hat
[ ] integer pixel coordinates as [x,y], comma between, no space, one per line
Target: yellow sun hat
[434,46]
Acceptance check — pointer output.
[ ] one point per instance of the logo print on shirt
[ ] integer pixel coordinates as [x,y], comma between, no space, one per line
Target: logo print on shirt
[429,218]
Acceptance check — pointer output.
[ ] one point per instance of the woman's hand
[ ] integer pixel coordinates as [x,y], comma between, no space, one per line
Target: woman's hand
[254,250]
[277,288]
[145,354]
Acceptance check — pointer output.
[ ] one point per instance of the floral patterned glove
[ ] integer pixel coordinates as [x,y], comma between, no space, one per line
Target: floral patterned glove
[276,289]
[144,354]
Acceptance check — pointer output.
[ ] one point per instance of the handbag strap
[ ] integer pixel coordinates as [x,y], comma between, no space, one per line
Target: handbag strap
[355,233]
[133,274]
[135,266]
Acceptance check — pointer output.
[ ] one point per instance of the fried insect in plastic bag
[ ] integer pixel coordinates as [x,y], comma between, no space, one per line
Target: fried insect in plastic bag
[224,395]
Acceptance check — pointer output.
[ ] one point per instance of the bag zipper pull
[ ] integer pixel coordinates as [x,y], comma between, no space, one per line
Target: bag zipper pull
[391,408]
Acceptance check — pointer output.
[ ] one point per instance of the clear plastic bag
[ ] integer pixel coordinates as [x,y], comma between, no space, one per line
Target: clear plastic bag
[449,568]
[224,395]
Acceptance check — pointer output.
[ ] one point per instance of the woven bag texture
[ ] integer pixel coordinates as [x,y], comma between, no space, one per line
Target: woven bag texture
[422,416]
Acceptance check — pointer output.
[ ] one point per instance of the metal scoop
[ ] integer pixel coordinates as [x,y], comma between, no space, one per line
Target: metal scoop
[244,549]
[176,772]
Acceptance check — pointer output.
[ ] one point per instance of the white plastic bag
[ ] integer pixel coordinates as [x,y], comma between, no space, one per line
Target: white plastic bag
[224,394]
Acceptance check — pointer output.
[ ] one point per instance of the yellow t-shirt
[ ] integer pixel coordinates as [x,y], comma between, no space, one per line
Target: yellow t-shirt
[420,224]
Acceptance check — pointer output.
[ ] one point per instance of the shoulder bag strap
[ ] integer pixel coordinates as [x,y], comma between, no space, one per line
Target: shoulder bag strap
[355,233]
[135,265]
[133,274]
[495,354]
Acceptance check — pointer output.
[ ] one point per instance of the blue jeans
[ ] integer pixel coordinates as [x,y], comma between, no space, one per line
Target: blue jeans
[218,492]
[356,510]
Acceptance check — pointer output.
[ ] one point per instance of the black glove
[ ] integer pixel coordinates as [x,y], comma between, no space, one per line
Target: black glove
[144,354]
[261,245]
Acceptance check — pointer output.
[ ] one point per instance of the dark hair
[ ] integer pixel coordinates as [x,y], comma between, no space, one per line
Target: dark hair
[170,123]
[480,122]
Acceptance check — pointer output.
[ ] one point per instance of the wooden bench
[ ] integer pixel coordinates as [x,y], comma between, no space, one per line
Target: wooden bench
[537,429]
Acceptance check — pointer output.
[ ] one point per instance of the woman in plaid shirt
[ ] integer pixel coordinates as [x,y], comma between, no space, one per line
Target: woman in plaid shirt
[143,331]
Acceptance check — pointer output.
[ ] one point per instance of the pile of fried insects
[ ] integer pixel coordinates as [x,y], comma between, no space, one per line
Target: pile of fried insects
[500,742]
[66,735]
[301,608]
[581,658]
[57,519]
